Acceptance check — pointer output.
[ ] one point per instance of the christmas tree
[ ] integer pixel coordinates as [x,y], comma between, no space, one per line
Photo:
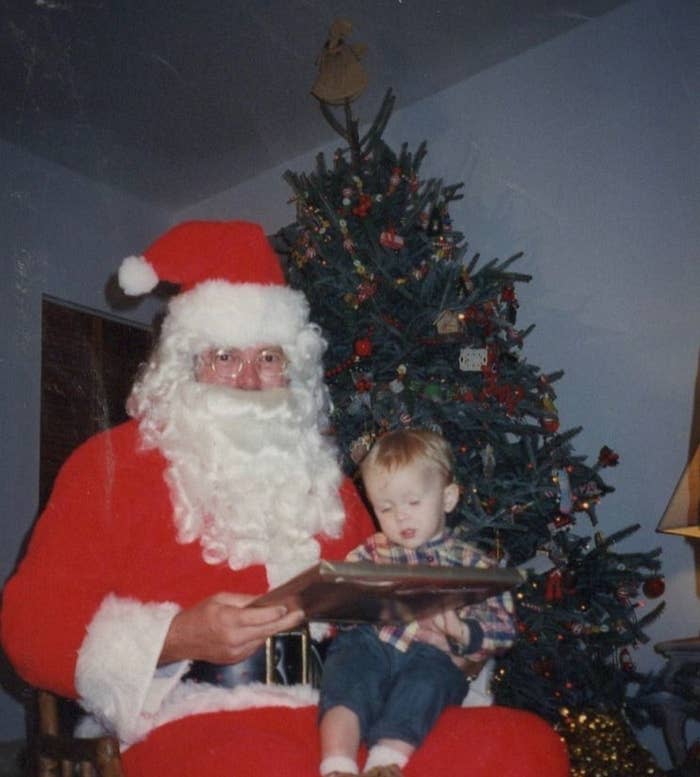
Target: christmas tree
[422,333]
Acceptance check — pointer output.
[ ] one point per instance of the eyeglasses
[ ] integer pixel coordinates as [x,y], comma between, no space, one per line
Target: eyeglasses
[226,364]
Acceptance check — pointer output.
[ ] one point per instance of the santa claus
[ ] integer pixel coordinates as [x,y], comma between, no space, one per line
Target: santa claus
[160,531]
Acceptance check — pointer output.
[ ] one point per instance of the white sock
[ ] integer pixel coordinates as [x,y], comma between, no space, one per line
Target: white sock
[381,755]
[338,763]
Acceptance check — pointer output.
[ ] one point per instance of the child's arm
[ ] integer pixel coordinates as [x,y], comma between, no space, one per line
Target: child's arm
[478,631]
[491,623]
[485,629]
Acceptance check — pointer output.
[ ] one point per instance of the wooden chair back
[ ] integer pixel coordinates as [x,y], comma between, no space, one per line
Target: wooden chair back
[60,754]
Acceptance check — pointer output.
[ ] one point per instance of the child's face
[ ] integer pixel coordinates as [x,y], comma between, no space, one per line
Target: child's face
[410,502]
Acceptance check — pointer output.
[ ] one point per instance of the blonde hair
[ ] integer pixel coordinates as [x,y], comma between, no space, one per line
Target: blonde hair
[404,446]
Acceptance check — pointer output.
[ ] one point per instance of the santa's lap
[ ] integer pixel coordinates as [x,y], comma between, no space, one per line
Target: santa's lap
[278,741]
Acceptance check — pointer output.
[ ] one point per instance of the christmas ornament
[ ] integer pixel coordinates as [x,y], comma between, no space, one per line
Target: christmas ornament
[549,423]
[366,290]
[473,359]
[363,347]
[654,587]
[390,239]
[560,521]
[448,323]
[509,304]
[626,662]
[607,457]
[363,206]
[394,180]
[363,382]
[421,271]
[553,591]
[433,391]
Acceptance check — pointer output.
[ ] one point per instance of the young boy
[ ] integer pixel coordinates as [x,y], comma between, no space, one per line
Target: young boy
[387,685]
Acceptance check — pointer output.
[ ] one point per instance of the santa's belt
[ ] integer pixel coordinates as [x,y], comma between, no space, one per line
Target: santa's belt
[285,659]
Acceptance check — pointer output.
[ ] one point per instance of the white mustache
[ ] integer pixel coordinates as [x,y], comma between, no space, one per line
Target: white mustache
[229,403]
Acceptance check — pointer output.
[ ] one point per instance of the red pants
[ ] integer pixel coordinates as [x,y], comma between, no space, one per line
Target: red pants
[283,742]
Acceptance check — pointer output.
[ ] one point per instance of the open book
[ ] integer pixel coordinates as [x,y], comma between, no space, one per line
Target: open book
[356,592]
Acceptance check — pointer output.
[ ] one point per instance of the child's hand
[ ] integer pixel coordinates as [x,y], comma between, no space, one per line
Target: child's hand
[447,623]
[441,629]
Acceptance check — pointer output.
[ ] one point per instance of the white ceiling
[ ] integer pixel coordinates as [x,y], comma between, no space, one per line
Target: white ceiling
[175,100]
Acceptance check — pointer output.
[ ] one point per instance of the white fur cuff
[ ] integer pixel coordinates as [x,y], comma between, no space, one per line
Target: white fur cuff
[118,659]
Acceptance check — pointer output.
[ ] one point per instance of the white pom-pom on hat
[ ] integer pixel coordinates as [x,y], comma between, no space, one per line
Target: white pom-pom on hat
[137,276]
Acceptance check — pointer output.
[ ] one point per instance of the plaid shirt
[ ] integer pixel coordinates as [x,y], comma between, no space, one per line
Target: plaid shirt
[491,622]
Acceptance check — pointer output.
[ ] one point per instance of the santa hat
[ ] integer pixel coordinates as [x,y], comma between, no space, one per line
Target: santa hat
[232,289]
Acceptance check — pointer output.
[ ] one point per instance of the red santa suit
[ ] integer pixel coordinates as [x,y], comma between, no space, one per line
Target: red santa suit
[88,610]
[122,575]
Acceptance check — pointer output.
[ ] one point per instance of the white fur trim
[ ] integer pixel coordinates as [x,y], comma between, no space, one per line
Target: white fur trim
[115,671]
[226,314]
[137,276]
[191,698]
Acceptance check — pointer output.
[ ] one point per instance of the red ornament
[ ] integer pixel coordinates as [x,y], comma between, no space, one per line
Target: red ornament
[561,520]
[366,290]
[490,505]
[553,589]
[363,206]
[607,457]
[469,314]
[363,347]
[654,587]
[507,294]
[390,239]
[550,422]
[395,179]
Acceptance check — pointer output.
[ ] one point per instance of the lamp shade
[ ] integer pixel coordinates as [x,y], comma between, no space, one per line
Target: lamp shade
[682,515]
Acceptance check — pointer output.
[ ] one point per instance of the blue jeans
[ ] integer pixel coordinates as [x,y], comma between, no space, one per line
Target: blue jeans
[395,695]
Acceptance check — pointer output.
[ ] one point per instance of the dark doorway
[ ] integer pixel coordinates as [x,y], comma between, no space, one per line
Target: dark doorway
[88,363]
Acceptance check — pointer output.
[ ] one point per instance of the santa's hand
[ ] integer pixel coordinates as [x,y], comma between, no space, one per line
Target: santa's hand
[222,630]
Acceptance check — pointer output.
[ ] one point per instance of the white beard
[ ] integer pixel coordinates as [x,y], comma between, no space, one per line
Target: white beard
[250,475]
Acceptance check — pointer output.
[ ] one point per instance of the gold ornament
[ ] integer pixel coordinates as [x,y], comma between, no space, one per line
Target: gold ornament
[448,323]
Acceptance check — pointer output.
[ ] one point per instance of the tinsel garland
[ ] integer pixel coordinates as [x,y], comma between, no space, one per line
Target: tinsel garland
[602,744]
